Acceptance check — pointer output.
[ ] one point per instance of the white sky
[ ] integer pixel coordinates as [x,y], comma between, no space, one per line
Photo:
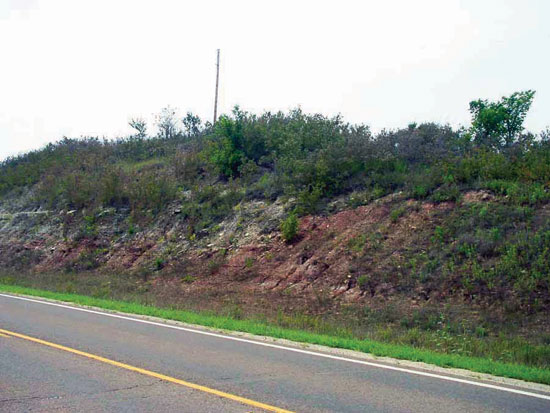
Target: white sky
[85,67]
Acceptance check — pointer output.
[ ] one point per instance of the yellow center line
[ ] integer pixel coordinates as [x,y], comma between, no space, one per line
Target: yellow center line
[4,335]
[149,373]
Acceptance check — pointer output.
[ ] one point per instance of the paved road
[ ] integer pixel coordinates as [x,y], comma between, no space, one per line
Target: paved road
[35,377]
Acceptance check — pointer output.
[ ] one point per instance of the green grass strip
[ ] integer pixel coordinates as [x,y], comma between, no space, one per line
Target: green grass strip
[481,365]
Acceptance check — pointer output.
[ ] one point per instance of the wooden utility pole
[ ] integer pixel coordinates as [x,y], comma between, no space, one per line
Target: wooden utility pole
[217,80]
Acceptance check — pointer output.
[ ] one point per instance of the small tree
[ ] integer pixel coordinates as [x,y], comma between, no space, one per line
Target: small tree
[289,228]
[499,124]
[166,122]
[226,150]
[191,124]
[139,125]
[516,107]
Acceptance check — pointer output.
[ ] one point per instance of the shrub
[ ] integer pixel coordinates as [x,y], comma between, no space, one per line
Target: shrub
[446,193]
[357,244]
[420,192]
[159,264]
[151,191]
[397,213]
[90,226]
[308,200]
[289,228]
[111,188]
[188,166]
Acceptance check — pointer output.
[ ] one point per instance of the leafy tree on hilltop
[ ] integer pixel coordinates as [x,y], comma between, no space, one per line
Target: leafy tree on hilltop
[191,124]
[499,124]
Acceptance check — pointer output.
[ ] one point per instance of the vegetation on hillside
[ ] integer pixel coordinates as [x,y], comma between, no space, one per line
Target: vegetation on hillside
[310,157]
[206,170]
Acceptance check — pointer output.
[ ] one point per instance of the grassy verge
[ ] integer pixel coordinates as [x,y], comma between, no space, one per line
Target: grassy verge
[476,364]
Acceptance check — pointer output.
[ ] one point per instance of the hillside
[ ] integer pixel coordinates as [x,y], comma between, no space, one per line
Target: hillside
[428,236]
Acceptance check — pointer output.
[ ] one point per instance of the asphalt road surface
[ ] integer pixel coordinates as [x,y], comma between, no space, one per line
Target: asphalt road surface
[54,358]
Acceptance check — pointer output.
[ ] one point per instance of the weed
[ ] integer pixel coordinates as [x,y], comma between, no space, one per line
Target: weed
[396,213]
[357,244]
[214,264]
[363,282]
[188,279]
[90,226]
[439,235]
[249,262]
[481,332]
[159,264]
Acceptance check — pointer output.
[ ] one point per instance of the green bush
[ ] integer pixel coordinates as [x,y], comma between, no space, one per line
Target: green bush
[446,193]
[308,200]
[159,264]
[397,213]
[420,192]
[289,228]
[151,191]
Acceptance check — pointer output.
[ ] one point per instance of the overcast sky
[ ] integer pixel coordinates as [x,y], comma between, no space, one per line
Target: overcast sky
[73,68]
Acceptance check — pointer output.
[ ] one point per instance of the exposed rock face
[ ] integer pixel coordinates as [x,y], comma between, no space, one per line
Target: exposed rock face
[244,251]
[365,255]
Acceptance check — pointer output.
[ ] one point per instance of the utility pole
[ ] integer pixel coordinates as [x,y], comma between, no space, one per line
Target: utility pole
[217,80]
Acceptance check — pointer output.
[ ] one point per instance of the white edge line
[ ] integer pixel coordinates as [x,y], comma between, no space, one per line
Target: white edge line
[296,350]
